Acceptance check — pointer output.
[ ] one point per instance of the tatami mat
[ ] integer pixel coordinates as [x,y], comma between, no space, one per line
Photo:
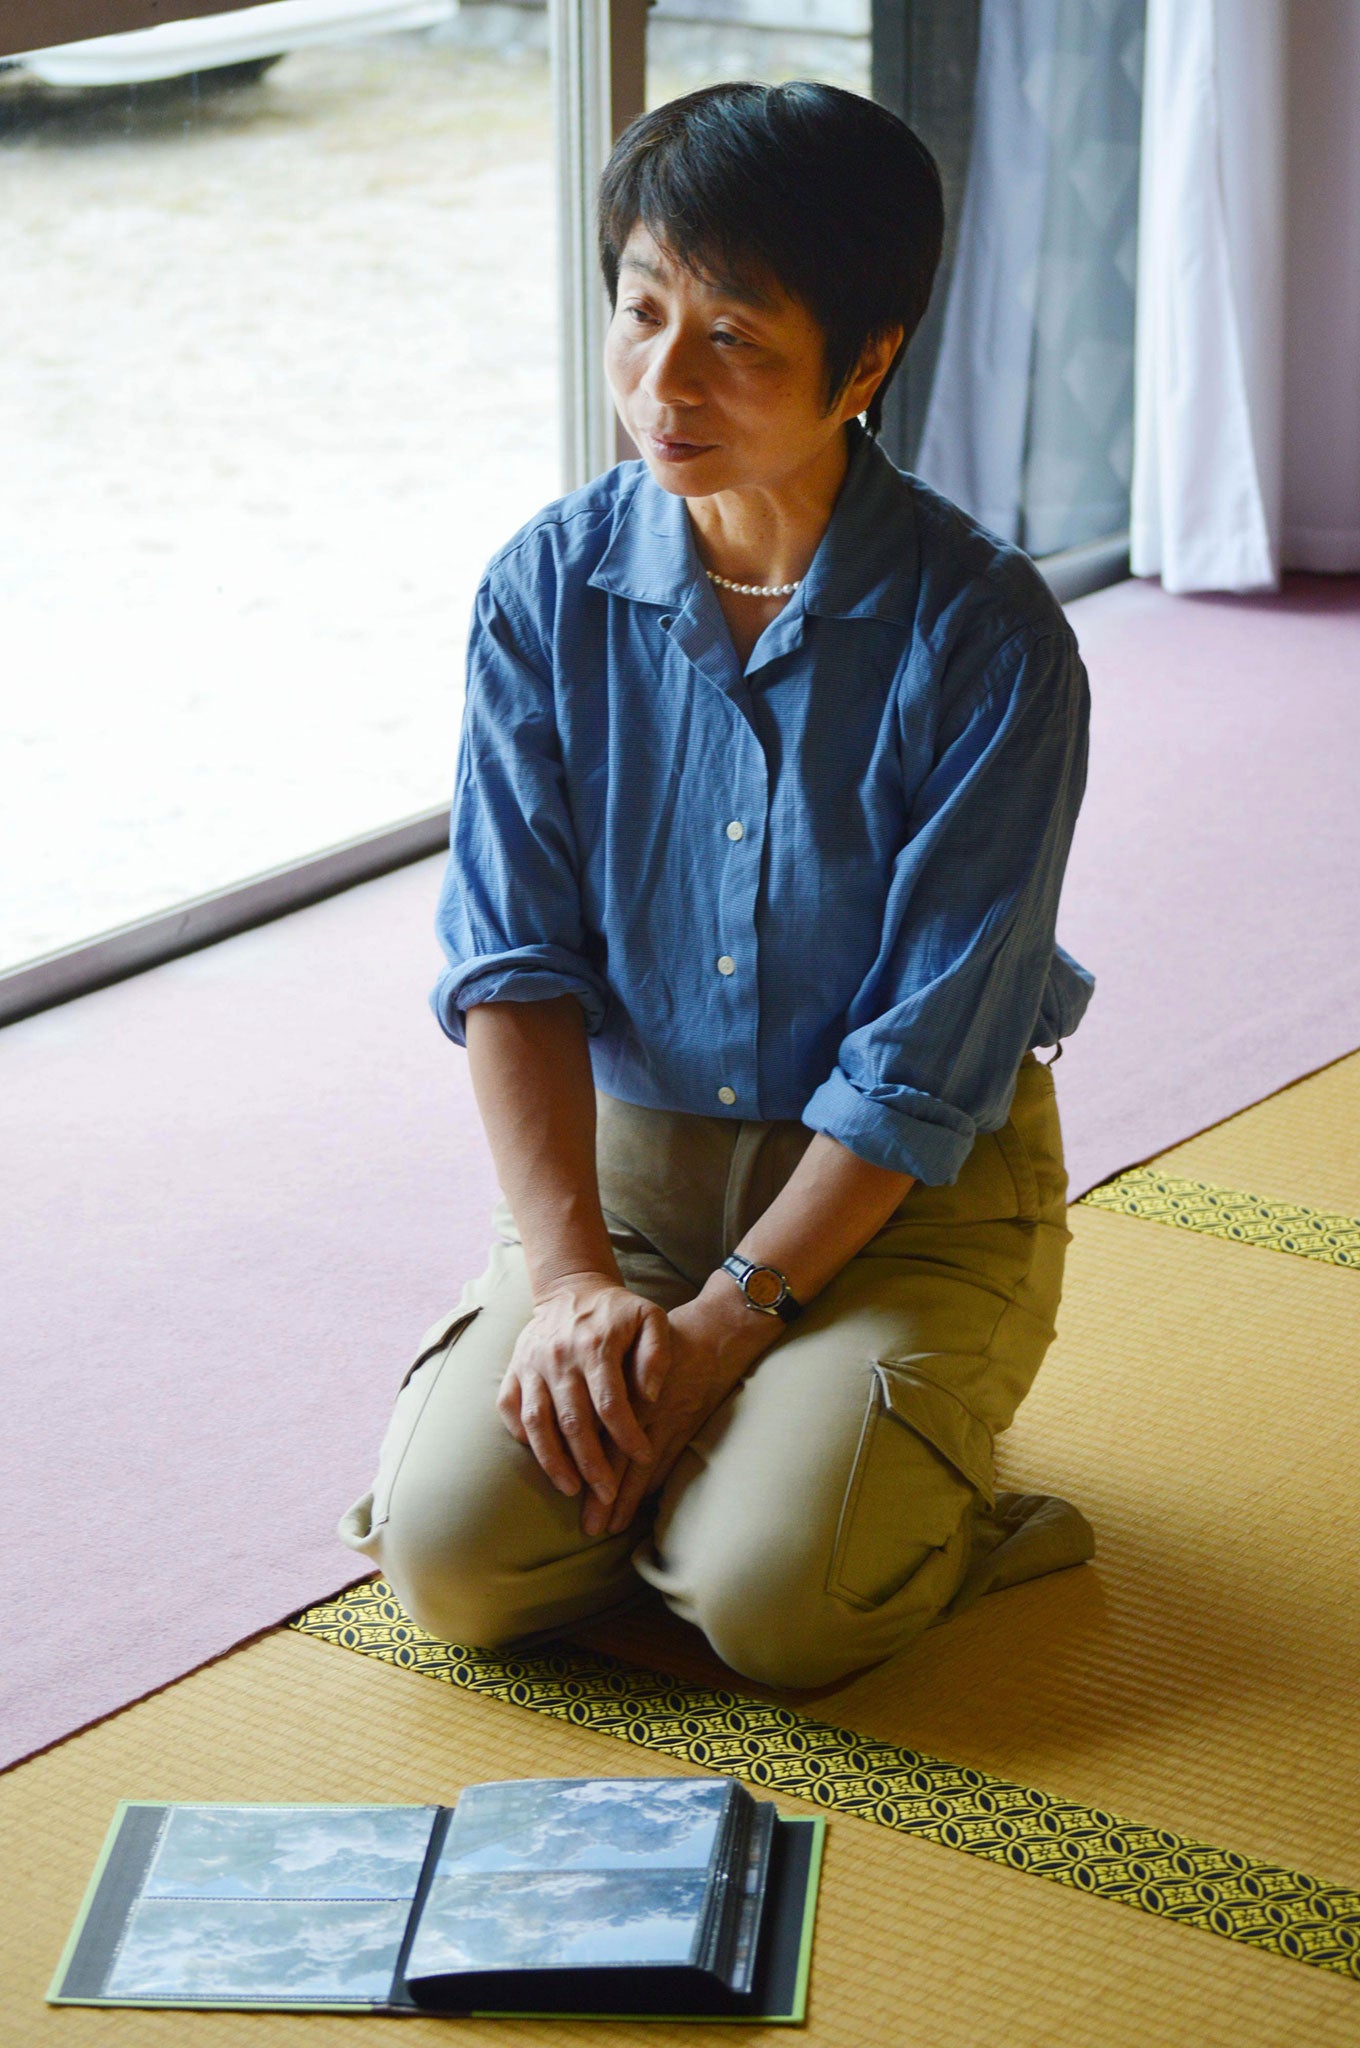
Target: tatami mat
[1302,1145]
[1201,1405]
[915,1945]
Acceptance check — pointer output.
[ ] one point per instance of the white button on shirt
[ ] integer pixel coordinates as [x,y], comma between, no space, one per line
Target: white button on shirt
[727,1095]
[736,830]
[726,964]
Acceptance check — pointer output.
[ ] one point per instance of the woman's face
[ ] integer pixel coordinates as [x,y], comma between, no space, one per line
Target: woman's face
[722,386]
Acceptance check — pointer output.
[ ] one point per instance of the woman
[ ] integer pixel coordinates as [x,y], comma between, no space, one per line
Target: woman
[768,775]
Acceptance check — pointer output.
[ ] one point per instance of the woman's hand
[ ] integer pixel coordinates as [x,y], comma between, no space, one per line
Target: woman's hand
[713,1345]
[568,1378]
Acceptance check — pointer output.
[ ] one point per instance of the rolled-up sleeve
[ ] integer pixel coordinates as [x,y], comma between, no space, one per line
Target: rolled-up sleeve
[940,1024]
[509,917]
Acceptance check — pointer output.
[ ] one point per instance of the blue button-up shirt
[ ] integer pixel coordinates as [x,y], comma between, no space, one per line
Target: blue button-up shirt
[822,886]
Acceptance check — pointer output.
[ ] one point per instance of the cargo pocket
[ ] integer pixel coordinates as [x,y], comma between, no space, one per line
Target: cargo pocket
[921,1460]
[414,1392]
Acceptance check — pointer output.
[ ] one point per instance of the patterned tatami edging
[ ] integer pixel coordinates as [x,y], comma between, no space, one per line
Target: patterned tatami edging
[1229,1212]
[780,1750]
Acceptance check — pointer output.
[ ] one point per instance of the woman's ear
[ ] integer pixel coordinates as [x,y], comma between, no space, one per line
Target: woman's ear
[879,355]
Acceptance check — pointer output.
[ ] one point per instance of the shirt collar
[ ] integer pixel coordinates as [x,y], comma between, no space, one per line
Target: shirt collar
[865,567]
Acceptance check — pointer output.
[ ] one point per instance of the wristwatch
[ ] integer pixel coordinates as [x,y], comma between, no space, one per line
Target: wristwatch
[765,1288]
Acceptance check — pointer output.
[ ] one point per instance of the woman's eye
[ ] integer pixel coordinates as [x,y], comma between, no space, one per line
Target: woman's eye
[729,340]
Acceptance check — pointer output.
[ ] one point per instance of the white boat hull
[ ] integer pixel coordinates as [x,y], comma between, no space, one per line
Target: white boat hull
[175,48]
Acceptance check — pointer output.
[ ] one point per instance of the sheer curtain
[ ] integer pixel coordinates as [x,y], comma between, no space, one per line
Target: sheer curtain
[1247,444]
[1029,419]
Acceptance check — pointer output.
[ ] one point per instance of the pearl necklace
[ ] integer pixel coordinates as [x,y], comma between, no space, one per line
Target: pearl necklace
[753,589]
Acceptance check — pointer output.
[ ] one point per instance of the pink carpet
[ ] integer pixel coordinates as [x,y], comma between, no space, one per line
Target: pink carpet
[241,1185]
[1214,883]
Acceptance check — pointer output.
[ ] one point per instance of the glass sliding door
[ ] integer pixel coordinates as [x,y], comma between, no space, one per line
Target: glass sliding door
[280,337]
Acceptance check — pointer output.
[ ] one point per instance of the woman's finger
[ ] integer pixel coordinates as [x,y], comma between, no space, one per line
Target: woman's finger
[596,1513]
[507,1407]
[540,1429]
[652,1354]
[576,1421]
[629,1497]
[609,1395]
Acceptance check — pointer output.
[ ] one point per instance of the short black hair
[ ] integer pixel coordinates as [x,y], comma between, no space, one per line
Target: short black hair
[831,193]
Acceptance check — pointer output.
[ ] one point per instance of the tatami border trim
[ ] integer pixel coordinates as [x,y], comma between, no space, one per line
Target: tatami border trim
[778,1749]
[1214,1211]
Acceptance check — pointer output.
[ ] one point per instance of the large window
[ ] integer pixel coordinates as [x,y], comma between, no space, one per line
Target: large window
[280,346]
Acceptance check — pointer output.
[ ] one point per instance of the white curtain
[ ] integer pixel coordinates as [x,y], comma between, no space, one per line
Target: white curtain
[1027,423]
[1247,381]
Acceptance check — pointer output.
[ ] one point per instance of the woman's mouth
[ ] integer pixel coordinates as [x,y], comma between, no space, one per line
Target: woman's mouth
[669,450]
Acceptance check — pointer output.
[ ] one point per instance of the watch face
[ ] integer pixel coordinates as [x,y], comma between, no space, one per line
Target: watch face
[764,1286]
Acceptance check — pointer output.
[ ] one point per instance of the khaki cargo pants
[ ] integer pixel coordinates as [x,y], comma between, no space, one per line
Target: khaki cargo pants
[841,1499]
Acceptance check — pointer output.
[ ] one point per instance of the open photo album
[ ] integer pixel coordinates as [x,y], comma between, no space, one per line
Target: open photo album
[630,1897]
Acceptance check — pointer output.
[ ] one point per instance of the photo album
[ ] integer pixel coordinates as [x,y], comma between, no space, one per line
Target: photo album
[608,1897]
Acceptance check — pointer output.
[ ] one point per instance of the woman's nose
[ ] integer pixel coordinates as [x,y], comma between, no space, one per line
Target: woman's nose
[672,376]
